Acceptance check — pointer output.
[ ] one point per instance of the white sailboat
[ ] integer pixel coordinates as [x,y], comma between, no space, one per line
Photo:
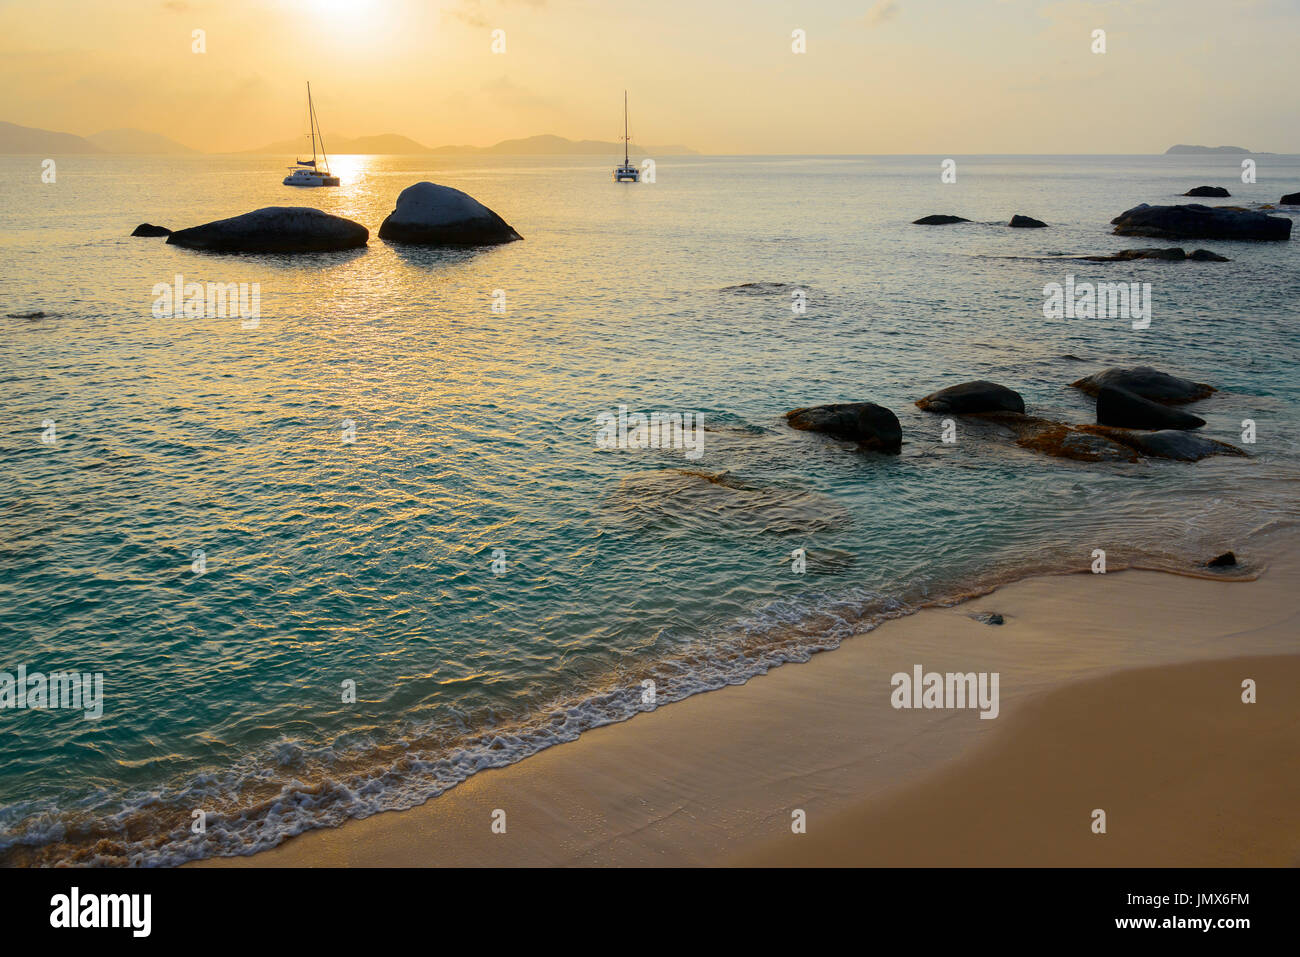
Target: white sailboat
[627,173]
[316,171]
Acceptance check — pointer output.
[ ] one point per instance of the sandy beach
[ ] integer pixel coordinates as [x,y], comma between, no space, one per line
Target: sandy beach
[1120,692]
[1187,775]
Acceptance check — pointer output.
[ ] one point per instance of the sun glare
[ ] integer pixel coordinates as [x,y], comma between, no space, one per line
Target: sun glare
[338,13]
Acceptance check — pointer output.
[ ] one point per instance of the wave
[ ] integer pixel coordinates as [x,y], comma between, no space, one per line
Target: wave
[291,787]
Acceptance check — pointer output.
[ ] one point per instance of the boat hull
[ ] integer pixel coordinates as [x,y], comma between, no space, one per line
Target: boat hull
[311,181]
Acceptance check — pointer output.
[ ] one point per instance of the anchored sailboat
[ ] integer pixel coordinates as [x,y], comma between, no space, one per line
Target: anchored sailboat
[627,173]
[315,171]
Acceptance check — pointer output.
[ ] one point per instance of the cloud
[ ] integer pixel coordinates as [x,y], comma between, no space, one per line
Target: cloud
[469,12]
[474,14]
[882,12]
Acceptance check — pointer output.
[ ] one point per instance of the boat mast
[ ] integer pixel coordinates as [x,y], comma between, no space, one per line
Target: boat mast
[311,121]
[315,127]
[625,128]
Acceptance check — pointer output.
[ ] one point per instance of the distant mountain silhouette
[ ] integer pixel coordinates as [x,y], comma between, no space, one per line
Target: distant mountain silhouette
[383,143]
[29,139]
[137,141]
[549,144]
[1184,148]
[543,145]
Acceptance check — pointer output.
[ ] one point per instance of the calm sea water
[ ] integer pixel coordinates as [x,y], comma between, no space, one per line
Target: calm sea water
[372,561]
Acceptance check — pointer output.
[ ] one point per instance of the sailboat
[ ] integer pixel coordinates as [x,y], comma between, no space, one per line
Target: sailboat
[627,173]
[315,171]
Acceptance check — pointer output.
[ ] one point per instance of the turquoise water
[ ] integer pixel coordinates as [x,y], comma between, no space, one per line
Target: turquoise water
[372,561]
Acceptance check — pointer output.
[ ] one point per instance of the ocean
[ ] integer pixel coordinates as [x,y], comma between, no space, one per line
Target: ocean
[338,559]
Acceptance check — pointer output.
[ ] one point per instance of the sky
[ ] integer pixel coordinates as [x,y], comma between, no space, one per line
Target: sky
[946,77]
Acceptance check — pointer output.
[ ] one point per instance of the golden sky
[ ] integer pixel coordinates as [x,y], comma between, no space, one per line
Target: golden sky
[883,76]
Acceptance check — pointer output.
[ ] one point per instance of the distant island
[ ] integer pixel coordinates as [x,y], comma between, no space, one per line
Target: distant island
[137,141]
[27,139]
[1184,148]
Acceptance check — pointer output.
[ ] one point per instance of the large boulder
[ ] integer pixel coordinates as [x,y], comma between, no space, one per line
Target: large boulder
[1290,199]
[969,397]
[433,215]
[1195,221]
[274,229]
[1026,222]
[1121,408]
[1148,383]
[149,229]
[1216,191]
[872,426]
[938,220]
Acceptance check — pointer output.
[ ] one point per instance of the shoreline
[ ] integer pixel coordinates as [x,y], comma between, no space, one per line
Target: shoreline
[713,779]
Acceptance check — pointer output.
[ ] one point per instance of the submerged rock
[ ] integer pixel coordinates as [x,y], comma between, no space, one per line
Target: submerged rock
[1171,444]
[432,215]
[1101,443]
[1148,383]
[1170,254]
[1070,442]
[978,396]
[1058,439]
[824,561]
[763,288]
[1123,409]
[149,229]
[1226,560]
[1218,191]
[274,229]
[872,426]
[1174,254]
[1026,222]
[989,618]
[938,220]
[718,503]
[34,314]
[1195,221]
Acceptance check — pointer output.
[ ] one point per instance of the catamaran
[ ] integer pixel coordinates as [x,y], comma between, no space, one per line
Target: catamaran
[627,173]
[312,172]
